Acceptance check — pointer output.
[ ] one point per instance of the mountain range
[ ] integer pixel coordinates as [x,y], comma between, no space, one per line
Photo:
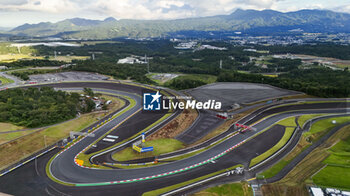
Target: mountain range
[244,21]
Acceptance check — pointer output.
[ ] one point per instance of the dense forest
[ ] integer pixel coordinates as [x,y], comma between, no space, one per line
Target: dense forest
[120,71]
[322,82]
[320,49]
[34,107]
[32,63]
[164,58]
[180,84]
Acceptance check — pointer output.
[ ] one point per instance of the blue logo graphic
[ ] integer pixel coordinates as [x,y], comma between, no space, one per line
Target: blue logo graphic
[151,101]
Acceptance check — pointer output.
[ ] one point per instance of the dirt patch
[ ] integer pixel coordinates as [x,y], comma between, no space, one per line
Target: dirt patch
[302,145]
[176,126]
[278,190]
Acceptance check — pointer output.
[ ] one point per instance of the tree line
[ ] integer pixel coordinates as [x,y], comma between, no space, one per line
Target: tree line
[321,82]
[35,107]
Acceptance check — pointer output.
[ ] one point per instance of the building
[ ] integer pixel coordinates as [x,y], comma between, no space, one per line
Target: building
[134,60]
[127,60]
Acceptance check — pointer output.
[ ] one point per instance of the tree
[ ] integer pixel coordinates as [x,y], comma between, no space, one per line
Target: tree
[89,92]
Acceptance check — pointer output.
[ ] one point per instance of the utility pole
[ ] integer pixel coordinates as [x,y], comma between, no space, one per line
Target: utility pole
[45,141]
[92,55]
[146,59]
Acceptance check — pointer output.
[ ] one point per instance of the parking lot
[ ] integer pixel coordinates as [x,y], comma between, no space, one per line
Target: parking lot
[67,76]
[236,92]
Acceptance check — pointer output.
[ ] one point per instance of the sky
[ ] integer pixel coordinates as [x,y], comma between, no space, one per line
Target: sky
[18,12]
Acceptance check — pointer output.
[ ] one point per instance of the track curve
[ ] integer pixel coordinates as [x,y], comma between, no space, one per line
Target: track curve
[64,168]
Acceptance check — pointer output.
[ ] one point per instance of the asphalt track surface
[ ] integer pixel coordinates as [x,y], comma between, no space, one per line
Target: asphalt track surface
[205,123]
[72,173]
[238,92]
[278,176]
[248,120]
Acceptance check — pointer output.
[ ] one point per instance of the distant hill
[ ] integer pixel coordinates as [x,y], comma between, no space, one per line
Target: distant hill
[240,20]
[5,28]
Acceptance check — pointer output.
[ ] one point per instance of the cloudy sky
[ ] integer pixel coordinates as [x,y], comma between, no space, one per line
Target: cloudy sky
[17,12]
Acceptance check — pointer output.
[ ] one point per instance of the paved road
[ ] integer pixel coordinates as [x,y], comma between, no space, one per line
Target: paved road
[71,173]
[250,174]
[248,120]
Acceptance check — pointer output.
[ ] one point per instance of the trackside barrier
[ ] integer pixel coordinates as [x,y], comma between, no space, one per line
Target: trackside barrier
[132,164]
[78,139]
[27,161]
[92,131]
[75,141]
[5,171]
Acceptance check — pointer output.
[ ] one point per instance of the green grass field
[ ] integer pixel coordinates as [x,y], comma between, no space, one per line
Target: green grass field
[5,80]
[6,137]
[342,65]
[234,189]
[25,146]
[309,170]
[201,77]
[288,122]
[272,171]
[68,59]
[337,172]
[271,75]
[8,58]
[338,159]
[302,119]
[29,144]
[161,146]
[325,125]
[9,127]
[339,156]
[333,176]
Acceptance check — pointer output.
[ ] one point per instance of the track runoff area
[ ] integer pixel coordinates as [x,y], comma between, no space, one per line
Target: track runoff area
[65,171]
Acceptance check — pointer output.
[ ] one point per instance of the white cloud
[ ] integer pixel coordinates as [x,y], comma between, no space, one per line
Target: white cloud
[50,6]
[345,8]
[158,9]
[13,2]
[145,9]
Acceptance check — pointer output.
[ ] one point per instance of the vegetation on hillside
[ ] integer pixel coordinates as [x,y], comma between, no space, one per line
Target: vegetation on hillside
[24,74]
[35,107]
[237,65]
[322,82]
[32,63]
[266,21]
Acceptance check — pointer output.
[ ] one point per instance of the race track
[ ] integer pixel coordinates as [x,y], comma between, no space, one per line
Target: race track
[238,149]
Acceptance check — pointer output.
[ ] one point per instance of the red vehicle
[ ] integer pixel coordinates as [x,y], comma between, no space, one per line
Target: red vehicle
[222,115]
[244,128]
